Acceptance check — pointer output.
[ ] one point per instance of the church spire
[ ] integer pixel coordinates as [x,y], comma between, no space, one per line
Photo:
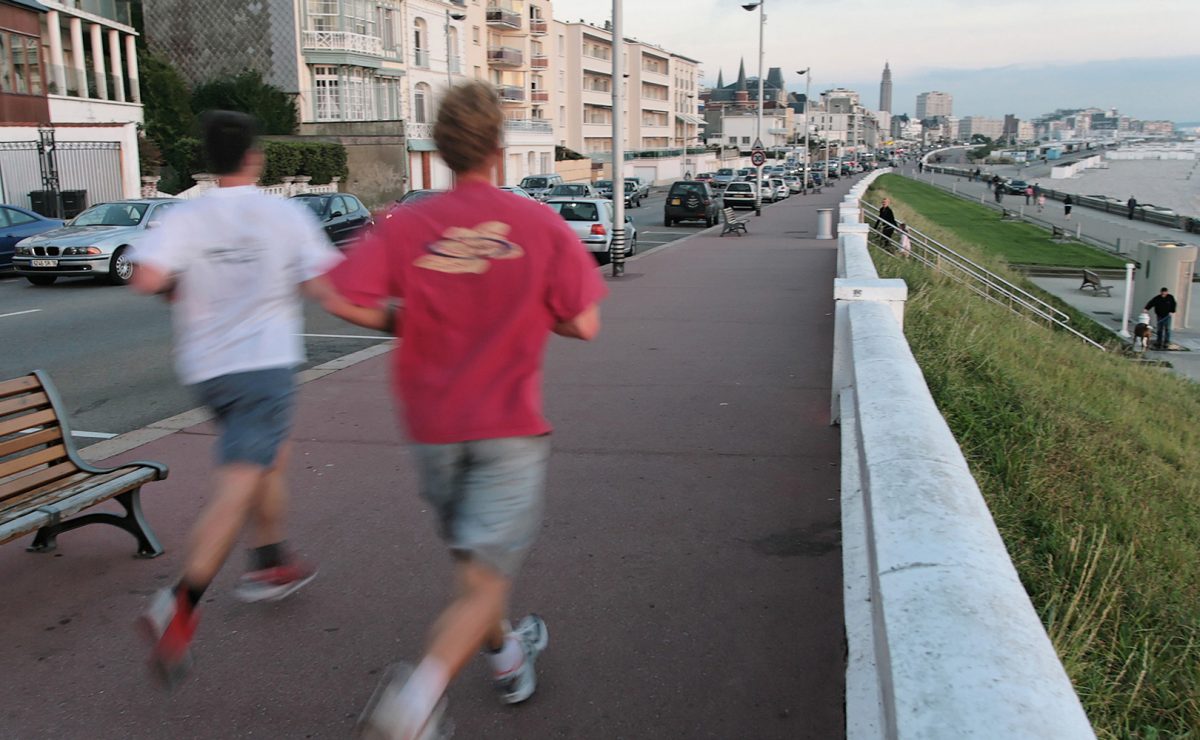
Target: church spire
[720,78]
[741,80]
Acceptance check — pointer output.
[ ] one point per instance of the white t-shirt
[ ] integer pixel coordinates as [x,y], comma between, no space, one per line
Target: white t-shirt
[238,256]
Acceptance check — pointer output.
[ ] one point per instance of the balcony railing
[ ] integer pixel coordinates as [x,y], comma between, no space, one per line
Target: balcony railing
[511,93]
[529,125]
[421,58]
[505,56]
[541,96]
[540,61]
[503,17]
[343,41]
[539,26]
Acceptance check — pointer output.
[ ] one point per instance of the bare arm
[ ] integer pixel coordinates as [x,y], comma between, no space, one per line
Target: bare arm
[379,318]
[151,280]
[585,326]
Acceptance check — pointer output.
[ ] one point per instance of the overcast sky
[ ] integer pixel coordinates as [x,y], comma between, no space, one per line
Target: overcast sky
[847,42]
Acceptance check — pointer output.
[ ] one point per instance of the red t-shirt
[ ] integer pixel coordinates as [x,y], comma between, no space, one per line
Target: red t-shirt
[483,275]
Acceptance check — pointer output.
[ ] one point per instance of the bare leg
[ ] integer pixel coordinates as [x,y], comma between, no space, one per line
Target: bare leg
[473,618]
[215,533]
[270,505]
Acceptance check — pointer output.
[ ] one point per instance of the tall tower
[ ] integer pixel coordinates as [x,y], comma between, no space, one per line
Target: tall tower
[885,89]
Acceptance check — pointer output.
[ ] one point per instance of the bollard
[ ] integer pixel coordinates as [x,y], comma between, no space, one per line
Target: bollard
[824,223]
[1078,232]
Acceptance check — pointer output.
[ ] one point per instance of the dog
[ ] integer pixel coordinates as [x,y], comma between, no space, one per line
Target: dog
[1143,333]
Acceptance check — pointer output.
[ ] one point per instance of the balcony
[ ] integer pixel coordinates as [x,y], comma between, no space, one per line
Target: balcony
[540,96]
[421,58]
[506,18]
[343,41]
[511,93]
[505,56]
[539,26]
[529,125]
[540,61]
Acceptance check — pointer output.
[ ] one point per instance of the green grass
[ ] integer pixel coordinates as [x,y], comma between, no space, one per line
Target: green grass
[1017,243]
[1090,464]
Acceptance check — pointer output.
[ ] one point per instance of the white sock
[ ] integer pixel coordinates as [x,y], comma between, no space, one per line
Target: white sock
[416,701]
[508,658]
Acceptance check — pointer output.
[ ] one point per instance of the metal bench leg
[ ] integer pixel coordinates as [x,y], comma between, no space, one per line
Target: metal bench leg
[134,522]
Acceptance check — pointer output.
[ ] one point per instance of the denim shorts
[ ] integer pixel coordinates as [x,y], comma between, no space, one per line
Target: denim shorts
[488,495]
[253,412]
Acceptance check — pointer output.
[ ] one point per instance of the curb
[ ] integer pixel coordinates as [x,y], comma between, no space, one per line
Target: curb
[190,418]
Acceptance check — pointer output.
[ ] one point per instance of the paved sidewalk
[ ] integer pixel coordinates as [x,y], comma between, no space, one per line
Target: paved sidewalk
[689,570]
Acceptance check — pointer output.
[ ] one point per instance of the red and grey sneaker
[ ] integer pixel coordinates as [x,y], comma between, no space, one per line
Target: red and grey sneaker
[169,623]
[273,584]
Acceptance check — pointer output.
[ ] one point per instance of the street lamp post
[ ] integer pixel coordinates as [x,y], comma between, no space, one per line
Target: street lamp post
[449,53]
[807,88]
[617,249]
[762,24]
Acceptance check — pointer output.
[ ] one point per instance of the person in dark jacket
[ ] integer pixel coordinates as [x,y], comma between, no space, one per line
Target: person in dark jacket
[1164,307]
[1067,203]
[886,223]
[1133,204]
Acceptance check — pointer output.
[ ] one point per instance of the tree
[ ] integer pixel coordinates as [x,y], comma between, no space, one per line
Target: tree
[170,123]
[249,93]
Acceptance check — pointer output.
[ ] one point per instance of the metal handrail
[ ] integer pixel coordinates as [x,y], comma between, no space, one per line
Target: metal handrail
[979,279]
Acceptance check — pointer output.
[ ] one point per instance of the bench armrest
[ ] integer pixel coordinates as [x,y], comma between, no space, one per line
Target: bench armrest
[160,470]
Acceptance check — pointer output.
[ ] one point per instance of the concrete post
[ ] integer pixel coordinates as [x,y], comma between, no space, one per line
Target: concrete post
[78,61]
[150,186]
[1129,267]
[58,71]
[98,61]
[824,223]
[118,75]
[131,65]
[891,292]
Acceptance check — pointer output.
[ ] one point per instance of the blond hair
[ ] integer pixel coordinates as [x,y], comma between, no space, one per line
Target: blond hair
[469,126]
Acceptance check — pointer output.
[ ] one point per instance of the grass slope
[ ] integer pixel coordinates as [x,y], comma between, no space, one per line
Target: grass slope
[1091,467]
[1017,243]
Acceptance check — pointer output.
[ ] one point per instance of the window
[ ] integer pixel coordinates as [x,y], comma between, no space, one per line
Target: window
[475,34]
[562,45]
[745,139]
[452,53]
[359,17]
[562,115]
[421,100]
[323,15]
[387,29]
[6,83]
[420,43]
[327,93]
[27,78]
[562,80]
[479,73]
[16,218]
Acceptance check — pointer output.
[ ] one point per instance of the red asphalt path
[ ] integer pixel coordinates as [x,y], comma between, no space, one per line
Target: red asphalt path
[689,569]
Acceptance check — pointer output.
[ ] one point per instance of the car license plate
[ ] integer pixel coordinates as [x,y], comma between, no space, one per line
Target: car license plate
[674,201]
[45,263]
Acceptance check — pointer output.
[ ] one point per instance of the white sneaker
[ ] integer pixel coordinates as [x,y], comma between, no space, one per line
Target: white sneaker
[519,684]
[384,717]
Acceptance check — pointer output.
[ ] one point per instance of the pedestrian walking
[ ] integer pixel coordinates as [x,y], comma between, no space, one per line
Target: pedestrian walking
[1037,190]
[233,264]
[1068,203]
[484,277]
[1163,305]
[1028,194]
[921,166]
[1041,202]
[905,242]
[999,192]
[1132,204]
[885,223]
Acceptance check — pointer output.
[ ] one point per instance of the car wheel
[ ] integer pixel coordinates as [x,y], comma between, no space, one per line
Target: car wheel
[602,258]
[42,279]
[120,269]
[633,247]
[710,222]
[668,222]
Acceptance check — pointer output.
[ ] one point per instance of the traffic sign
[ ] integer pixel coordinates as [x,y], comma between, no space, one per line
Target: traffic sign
[757,143]
[758,157]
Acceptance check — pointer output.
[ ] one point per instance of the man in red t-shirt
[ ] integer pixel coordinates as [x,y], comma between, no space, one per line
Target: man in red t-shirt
[481,277]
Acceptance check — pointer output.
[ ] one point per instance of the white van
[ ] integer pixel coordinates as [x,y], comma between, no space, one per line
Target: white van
[539,186]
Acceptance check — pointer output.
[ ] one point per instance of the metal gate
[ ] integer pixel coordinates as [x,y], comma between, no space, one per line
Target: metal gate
[57,173]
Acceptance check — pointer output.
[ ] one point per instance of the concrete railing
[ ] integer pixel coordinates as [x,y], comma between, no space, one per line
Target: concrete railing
[943,641]
[290,186]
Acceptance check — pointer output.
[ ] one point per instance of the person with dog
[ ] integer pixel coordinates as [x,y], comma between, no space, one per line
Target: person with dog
[485,277]
[1132,206]
[1163,306]
[1068,203]
[886,223]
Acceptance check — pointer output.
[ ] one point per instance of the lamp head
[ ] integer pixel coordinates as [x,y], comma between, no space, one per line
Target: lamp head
[751,6]
[457,16]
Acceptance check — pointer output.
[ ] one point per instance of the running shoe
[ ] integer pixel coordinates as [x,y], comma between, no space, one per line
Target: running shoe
[273,584]
[385,718]
[169,623]
[519,684]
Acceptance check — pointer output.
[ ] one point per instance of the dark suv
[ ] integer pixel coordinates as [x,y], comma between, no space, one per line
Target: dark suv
[691,200]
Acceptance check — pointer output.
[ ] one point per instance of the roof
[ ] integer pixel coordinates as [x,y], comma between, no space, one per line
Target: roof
[31,4]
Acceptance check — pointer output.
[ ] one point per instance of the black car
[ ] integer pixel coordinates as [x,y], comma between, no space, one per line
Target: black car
[416,196]
[633,198]
[691,200]
[342,215]
[1016,187]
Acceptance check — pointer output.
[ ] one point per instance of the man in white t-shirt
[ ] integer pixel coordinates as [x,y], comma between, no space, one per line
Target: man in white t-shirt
[234,263]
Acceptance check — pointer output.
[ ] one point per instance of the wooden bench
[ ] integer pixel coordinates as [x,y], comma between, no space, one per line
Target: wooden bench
[733,224]
[1008,215]
[1091,281]
[44,482]
[1058,234]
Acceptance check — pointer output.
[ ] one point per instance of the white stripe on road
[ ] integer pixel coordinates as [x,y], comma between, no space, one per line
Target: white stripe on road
[347,336]
[93,435]
[19,313]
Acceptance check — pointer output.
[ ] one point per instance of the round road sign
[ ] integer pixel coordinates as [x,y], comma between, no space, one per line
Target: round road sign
[758,159]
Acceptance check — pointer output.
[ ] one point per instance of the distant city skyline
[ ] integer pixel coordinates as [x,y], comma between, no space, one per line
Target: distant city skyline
[1049,51]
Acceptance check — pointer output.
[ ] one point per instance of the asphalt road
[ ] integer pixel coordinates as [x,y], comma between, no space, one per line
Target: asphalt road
[109,350]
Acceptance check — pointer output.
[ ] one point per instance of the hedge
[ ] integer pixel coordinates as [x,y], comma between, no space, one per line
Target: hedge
[322,161]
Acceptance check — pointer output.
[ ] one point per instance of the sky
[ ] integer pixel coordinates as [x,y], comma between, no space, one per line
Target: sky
[1019,56]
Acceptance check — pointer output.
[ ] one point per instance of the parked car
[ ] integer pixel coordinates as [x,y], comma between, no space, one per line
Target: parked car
[604,188]
[746,172]
[343,216]
[592,220]
[416,196]
[705,177]
[1016,187]
[724,176]
[689,200]
[17,224]
[572,190]
[793,183]
[95,243]
[641,186]
[769,193]
[539,186]
[515,190]
[739,195]
[781,189]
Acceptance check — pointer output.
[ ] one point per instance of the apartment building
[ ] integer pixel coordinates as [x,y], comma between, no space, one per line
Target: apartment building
[968,126]
[934,104]
[70,102]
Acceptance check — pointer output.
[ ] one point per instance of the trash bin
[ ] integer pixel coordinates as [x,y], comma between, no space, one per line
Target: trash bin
[824,223]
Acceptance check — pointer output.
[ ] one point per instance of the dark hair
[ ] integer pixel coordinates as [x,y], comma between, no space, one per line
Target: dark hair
[228,136]
[1164,290]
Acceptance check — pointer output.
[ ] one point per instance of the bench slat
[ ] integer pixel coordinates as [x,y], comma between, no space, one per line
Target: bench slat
[32,460]
[17,423]
[23,403]
[25,441]
[49,497]
[19,385]
[33,480]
